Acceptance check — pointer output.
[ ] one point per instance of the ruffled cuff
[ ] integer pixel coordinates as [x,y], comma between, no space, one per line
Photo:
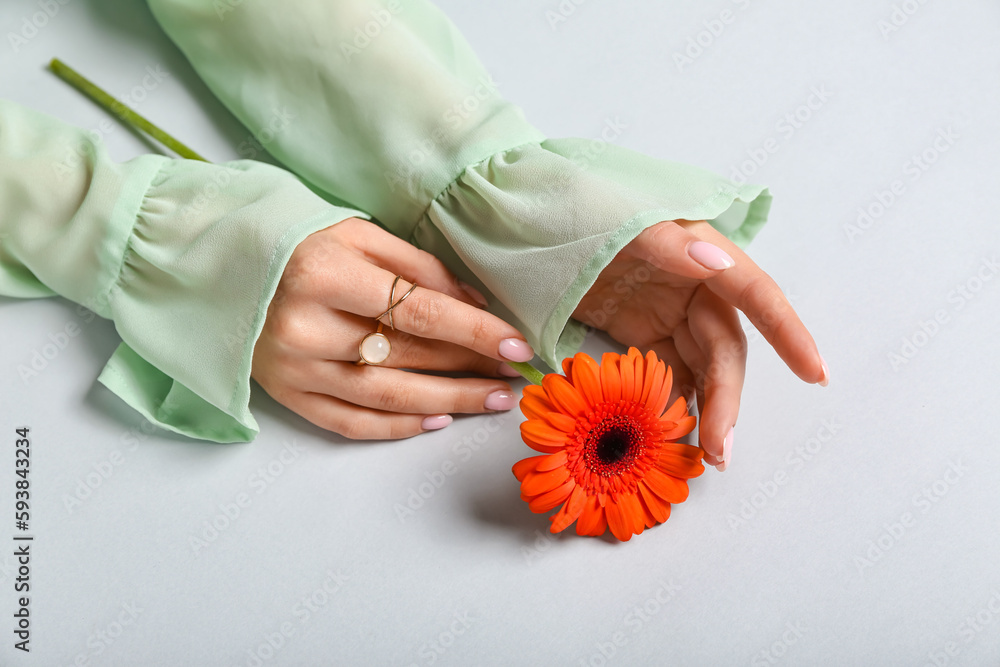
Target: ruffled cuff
[184,256]
[536,225]
[202,262]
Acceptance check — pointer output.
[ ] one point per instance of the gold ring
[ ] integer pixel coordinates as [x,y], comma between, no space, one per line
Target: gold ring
[375,348]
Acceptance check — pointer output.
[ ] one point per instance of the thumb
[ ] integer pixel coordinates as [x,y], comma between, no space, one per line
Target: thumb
[673,249]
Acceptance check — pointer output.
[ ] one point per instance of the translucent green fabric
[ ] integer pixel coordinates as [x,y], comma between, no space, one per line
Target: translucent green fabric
[394,114]
[384,111]
[184,257]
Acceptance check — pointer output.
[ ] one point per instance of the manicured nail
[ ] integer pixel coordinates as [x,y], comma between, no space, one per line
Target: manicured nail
[516,349]
[727,452]
[507,371]
[825,380]
[500,400]
[710,256]
[476,295]
[435,422]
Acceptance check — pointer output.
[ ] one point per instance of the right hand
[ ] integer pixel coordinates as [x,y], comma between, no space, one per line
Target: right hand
[336,281]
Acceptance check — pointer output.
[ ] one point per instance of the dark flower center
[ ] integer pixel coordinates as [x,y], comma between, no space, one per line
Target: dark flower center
[613,445]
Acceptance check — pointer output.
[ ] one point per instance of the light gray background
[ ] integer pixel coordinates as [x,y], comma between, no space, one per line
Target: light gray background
[747,571]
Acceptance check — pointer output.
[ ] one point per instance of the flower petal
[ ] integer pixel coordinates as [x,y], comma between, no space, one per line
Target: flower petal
[665,486]
[591,521]
[647,515]
[541,437]
[676,411]
[678,460]
[524,466]
[553,461]
[611,378]
[632,511]
[660,509]
[620,525]
[536,405]
[536,483]
[533,398]
[567,366]
[627,366]
[659,402]
[564,395]
[639,376]
[571,511]
[586,377]
[553,498]
[653,383]
[684,426]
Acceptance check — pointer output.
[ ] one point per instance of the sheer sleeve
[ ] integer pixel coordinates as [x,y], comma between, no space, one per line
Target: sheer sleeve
[183,256]
[438,155]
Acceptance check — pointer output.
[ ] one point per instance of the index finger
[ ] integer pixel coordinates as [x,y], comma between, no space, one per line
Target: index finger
[754,292]
[425,312]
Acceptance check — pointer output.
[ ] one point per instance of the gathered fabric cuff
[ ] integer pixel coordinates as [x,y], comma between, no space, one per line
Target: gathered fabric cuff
[437,154]
[184,256]
[536,224]
[195,283]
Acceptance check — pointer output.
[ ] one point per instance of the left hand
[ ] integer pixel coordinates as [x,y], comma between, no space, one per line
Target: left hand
[656,295]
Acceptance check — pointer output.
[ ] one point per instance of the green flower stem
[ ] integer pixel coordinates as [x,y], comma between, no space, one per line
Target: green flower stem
[529,372]
[113,106]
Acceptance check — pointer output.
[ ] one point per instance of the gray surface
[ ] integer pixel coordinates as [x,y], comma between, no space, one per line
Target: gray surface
[785,580]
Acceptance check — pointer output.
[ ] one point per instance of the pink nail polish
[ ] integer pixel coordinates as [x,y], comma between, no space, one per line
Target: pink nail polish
[434,422]
[507,371]
[515,349]
[500,400]
[710,256]
[476,295]
[727,451]
[825,380]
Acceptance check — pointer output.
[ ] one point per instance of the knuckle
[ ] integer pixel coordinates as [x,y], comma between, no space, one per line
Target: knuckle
[479,332]
[424,315]
[406,351]
[290,330]
[354,429]
[393,397]
[357,427]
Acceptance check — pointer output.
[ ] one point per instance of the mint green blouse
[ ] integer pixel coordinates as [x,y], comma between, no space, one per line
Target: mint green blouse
[381,111]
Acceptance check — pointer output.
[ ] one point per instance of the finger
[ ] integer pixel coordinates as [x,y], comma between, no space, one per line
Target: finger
[359,423]
[318,332]
[405,259]
[671,248]
[754,292]
[716,329]
[697,361]
[363,289]
[397,391]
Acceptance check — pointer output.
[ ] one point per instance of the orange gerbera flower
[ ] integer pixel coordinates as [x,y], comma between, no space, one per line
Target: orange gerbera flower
[609,451]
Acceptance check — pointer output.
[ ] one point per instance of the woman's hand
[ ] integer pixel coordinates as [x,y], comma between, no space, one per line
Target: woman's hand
[335,283]
[675,289]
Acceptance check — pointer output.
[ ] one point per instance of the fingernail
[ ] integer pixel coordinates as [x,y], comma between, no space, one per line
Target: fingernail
[507,371]
[500,400]
[515,349]
[825,380]
[710,256]
[476,295]
[435,422]
[727,452]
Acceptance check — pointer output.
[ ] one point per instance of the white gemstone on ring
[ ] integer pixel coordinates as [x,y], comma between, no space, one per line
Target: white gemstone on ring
[375,348]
